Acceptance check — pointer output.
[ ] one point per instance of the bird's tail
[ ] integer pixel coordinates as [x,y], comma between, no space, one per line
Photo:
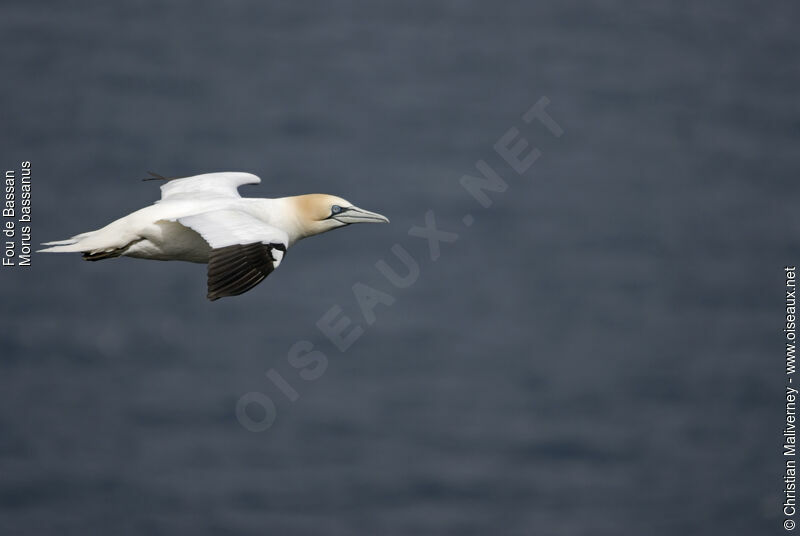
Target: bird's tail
[62,246]
[59,242]
[90,244]
[106,242]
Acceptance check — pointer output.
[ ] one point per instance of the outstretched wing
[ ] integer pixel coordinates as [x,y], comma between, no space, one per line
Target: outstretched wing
[244,250]
[208,186]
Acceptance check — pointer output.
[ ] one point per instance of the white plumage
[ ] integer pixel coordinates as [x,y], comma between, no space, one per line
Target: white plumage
[204,219]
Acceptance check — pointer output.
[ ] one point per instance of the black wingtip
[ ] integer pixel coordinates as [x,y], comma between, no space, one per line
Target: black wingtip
[154,177]
[157,177]
[233,270]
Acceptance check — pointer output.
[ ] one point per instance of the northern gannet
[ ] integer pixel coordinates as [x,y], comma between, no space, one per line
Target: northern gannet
[204,219]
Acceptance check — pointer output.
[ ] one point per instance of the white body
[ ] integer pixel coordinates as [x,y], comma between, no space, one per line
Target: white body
[154,233]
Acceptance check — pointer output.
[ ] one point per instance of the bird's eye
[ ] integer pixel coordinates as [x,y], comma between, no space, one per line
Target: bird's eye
[336,209]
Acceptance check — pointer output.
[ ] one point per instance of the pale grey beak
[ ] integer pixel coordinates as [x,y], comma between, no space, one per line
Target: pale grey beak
[359,215]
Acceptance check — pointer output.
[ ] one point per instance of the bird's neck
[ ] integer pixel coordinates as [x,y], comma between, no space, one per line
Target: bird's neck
[285,213]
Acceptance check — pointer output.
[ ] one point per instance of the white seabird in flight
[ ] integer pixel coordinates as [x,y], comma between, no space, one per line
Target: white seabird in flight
[203,219]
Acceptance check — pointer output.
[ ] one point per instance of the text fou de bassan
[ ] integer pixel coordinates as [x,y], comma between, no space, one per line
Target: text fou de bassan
[17,217]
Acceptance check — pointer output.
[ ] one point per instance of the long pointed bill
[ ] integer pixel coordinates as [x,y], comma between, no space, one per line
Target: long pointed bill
[359,215]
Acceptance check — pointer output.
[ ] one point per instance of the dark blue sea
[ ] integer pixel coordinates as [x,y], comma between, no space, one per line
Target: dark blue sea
[601,352]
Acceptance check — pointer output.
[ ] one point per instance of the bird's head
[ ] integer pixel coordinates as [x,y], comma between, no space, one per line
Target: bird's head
[320,213]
